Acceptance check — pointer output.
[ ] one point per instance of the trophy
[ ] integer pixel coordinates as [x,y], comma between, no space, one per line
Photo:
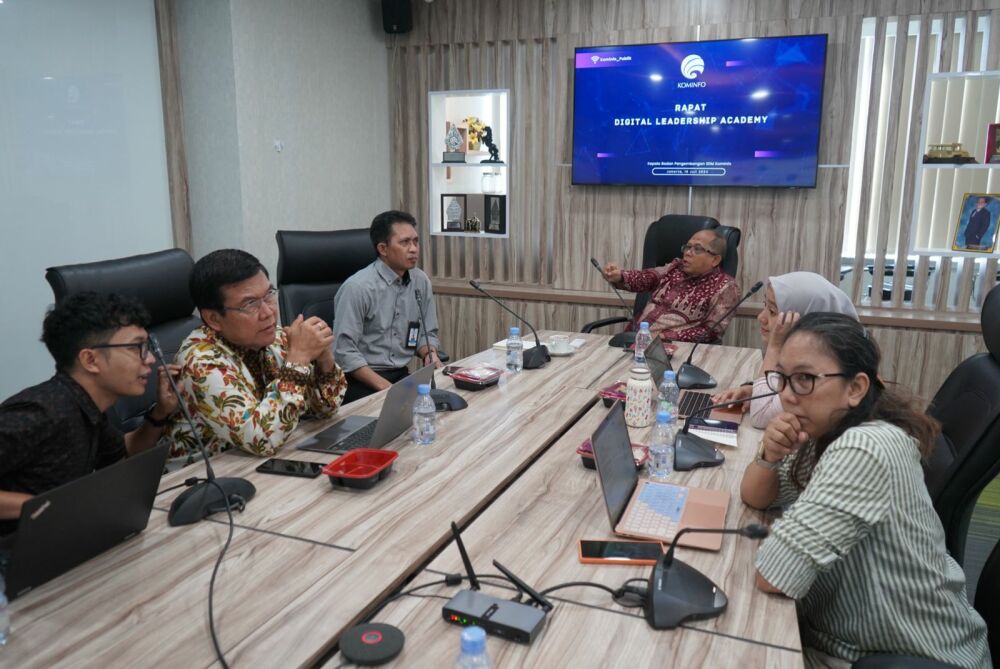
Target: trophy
[453,142]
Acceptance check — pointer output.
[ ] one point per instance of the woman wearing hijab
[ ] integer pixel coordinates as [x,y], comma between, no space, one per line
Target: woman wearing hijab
[789,297]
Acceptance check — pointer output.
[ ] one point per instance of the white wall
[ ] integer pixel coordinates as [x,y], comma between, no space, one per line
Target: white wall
[82,163]
[310,74]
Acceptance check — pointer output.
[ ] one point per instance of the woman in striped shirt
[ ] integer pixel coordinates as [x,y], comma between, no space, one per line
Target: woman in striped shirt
[859,546]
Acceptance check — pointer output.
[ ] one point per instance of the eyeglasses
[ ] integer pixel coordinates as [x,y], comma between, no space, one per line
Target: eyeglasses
[802,383]
[143,347]
[253,306]
[696,249]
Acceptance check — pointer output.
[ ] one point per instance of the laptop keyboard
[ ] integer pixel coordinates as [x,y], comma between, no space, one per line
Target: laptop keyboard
[358,439]
[692,402]
[657,511]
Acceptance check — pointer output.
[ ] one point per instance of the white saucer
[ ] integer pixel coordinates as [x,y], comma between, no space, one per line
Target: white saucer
[561,354]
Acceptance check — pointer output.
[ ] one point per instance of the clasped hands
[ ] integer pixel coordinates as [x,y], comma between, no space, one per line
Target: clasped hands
[310,340]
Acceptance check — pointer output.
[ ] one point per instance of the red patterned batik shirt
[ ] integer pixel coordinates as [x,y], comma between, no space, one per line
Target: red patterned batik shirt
[683,307]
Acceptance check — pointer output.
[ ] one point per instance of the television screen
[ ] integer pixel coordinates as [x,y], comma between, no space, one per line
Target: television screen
[742,112]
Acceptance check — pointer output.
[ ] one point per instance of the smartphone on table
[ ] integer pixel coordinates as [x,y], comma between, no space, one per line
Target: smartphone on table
[309,470]
[599,551]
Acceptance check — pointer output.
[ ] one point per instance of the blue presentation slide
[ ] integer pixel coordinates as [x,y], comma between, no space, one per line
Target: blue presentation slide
[740,112]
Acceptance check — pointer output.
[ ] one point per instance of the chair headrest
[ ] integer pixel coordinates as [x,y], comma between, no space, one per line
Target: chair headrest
[322,257]
[990,320]
[159,280]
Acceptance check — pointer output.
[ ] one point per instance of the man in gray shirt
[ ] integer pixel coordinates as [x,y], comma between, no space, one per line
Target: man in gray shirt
[377,321]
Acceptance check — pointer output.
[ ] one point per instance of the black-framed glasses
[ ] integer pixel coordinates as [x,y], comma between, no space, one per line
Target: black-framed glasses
[253,306]
[143,347]
[802,383]
[696,249]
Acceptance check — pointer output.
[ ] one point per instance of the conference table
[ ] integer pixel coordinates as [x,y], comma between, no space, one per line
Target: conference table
[309,560]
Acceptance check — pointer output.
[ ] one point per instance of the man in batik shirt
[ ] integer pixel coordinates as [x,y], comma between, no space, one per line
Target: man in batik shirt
[688,296]
[245,380]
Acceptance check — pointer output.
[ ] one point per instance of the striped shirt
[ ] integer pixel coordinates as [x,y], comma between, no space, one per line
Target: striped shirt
[863,552]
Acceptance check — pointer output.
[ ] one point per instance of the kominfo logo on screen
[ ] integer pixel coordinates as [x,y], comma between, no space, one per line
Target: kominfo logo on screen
[720,113]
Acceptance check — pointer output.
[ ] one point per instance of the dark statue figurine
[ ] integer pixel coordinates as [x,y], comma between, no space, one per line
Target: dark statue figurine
[494,151]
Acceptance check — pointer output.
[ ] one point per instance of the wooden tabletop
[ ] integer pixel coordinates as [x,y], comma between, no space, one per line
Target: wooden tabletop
[309,560]
[533,530]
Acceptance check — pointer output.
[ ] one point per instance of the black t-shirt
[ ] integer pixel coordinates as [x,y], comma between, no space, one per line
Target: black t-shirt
[51,434]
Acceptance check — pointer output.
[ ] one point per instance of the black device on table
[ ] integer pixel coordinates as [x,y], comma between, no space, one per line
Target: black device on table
[395,416]
[689,376]
[309,470]
[66,526]
[691,451]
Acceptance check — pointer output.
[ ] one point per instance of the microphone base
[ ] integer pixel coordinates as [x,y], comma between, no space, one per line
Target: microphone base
[690,377]
[204,499]
[445,400]
[622,340]
[692,452]
[686,594]
[536,357]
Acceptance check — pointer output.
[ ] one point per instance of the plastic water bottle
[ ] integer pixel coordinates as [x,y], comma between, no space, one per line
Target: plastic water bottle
[473,654]
[661,447]
[4,614]
[669,393]
[515,351]
[424,416]
[642,341]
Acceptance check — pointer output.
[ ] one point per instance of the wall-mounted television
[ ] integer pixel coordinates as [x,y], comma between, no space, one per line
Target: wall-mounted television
[738,112]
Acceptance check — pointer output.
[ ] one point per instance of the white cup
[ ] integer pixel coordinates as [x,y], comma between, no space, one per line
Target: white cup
[559,344]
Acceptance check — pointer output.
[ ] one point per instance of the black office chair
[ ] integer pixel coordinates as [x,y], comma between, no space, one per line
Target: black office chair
[663,241]
[312,266]
[987,604]
[158,280]
[967,455]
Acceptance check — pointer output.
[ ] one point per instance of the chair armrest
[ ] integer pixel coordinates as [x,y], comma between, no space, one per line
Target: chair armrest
[593,325]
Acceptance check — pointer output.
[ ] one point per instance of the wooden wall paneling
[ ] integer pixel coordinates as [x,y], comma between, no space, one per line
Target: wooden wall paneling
[173,123]
[887,200]
[941,290]
[920,360]
[868,163]
[911,173]
[967,278]
[784,230]
[920,279]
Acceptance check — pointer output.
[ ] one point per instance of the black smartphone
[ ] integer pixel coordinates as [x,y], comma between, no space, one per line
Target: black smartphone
[450,369]
[309,470]
[620,552]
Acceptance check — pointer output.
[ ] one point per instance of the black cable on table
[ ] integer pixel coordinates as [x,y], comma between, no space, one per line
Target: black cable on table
[211,583]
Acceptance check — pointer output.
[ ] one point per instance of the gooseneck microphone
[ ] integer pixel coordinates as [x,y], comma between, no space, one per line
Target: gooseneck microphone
[691,451]
[677,591]
[210,496]
[444,400]
[622,339]
[534,358]
[689,376]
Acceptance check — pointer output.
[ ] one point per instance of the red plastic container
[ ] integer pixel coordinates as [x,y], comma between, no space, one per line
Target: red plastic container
[476,378]
[360,468]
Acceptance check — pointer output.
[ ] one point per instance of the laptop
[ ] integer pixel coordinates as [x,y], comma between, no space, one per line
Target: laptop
[646,509]
[68,525]
[367,432]
[690,401]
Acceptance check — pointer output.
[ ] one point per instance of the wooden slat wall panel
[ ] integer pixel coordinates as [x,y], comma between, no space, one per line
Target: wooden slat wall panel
[868,164]
[913,149]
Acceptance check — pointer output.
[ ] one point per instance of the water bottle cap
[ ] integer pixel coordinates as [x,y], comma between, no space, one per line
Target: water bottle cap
[669,375]
[424,389]
[473,641]
[663,417]
[515,332]
[644,325]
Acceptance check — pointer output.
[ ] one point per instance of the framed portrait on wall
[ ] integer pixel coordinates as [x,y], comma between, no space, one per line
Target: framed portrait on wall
[495,214]
[976,229]
[993,144]
[452,212]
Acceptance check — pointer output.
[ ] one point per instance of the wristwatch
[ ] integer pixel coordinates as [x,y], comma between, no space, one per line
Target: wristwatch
[148,417]
[761,462]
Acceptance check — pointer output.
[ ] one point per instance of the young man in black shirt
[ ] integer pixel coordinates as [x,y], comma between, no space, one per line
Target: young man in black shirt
[57,431]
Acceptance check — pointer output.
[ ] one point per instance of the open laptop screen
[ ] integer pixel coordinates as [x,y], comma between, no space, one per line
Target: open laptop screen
[615,463]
